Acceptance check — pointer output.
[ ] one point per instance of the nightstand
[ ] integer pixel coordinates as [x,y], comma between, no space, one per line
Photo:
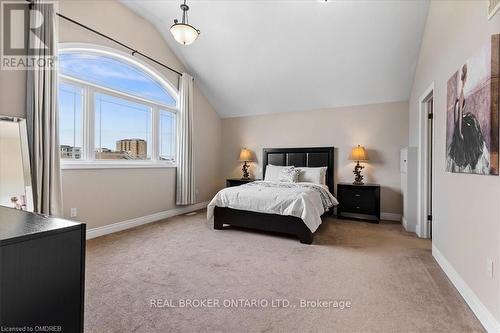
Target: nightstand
[359,201]
[238,181]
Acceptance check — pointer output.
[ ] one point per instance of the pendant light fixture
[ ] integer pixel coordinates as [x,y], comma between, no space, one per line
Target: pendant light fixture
[183,32]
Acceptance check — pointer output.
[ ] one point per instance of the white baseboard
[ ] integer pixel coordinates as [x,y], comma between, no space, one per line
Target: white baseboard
[390,217]
[119,226]
[407,227]
[487,319]
[404,222]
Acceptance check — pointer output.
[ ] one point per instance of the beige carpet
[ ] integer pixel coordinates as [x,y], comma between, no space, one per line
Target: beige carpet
[388,275]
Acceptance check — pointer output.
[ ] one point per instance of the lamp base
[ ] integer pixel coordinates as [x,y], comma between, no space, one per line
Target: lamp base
[246,175]
[358,179]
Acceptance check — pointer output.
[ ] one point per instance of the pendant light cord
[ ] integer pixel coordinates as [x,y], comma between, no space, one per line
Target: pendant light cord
[185,9]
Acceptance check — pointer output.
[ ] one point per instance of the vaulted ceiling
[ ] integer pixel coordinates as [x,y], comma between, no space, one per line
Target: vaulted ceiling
[259,57]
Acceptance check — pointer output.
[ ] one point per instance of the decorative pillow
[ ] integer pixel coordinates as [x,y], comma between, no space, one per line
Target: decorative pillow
[273,172]
[289,175]
[313,175]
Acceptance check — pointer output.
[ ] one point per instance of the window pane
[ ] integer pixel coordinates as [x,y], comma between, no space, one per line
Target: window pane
[70,121]
[115,74]
[122,129]
[167,136]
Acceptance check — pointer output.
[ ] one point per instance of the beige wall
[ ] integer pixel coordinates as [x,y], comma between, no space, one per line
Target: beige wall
[12,92]
[112,195]
[381,128]
[466,207]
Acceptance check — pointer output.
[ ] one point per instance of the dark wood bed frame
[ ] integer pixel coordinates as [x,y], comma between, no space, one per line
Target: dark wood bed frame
[299,157]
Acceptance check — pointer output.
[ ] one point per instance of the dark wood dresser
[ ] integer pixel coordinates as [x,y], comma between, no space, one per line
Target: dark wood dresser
[359,201]
[42,267]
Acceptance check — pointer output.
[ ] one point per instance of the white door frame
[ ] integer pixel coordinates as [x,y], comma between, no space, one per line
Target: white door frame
[422,228]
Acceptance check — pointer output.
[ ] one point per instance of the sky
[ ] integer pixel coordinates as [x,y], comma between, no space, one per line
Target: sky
[115,118]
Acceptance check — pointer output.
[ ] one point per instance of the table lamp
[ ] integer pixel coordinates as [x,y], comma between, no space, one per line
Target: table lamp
[245,156]
[358,154]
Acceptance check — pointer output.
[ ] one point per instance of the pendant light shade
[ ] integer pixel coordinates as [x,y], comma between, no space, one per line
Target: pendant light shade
[183,32]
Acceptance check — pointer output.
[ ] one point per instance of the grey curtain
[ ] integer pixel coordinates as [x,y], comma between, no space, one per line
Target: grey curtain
[185,193]
[42,114]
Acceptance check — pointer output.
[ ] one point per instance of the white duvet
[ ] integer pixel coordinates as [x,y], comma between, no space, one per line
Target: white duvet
[303,200]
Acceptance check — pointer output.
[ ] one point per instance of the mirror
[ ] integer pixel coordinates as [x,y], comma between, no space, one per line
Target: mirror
[15,175]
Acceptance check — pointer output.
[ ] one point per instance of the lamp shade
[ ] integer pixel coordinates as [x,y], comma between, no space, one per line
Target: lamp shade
[358,154]
[245,155]
[184,34]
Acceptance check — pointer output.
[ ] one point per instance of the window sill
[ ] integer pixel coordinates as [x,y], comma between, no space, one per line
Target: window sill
[70,165]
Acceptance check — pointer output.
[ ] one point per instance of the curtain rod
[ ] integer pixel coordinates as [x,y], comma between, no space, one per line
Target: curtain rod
[134,51]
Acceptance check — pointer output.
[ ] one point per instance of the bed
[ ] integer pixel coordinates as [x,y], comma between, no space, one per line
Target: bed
[271,216]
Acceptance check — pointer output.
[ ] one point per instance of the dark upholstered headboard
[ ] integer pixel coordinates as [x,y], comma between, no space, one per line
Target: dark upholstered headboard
[301,157]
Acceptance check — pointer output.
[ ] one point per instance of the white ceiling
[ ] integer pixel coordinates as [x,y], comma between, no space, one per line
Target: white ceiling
[258,57]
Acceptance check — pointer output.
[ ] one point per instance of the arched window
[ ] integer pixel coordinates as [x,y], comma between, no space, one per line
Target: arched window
[113,107]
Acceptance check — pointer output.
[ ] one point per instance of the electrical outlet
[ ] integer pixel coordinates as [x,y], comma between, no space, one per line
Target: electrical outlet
[73,212]
[489,268]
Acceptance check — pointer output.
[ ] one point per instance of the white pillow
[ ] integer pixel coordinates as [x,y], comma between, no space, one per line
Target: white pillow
[289,175]
[313,175]
[273,172]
